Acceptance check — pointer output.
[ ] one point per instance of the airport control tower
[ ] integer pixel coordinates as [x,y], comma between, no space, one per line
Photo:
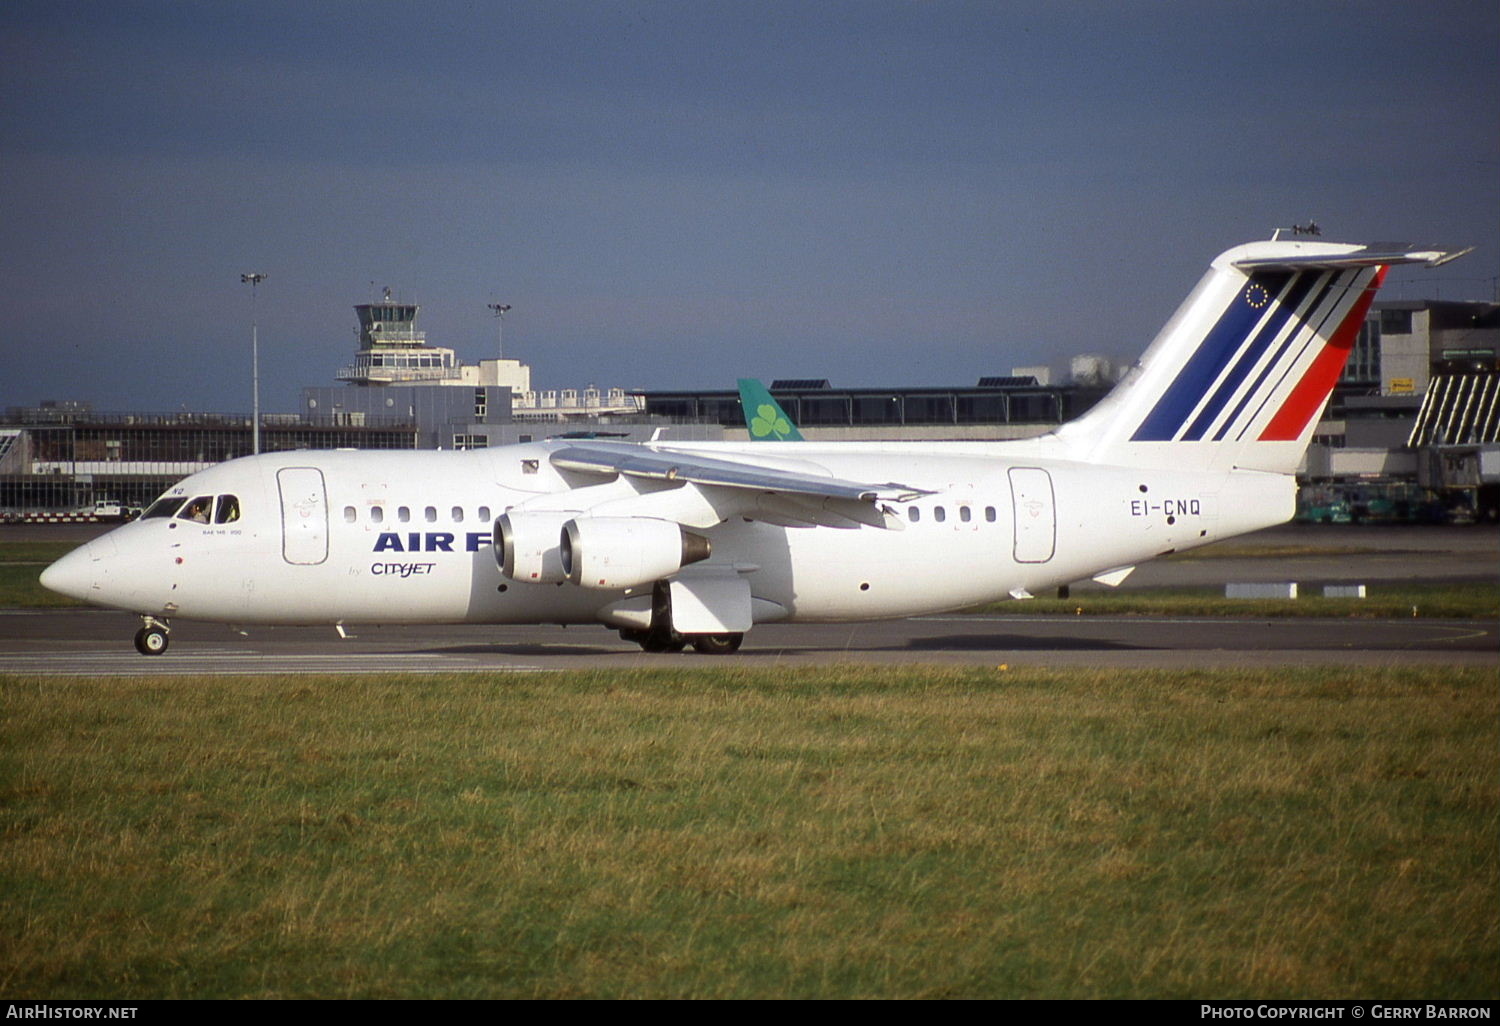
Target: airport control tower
[392,351]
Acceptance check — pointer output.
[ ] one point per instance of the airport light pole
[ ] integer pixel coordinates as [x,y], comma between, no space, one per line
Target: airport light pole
[500,310]
[254,279]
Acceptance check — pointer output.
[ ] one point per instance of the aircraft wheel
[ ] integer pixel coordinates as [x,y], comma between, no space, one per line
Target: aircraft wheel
[655,642]
[151,640]
[718,644]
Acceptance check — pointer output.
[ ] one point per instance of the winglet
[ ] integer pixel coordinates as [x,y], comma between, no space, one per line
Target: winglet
[764,417]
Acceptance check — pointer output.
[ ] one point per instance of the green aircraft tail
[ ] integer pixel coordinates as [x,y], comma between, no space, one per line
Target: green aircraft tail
[764,416]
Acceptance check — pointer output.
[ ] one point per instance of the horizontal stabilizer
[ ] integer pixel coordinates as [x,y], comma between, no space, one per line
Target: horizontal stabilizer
[1367,256]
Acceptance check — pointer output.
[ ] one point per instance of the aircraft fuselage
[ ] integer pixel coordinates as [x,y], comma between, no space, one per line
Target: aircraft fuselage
[408,537]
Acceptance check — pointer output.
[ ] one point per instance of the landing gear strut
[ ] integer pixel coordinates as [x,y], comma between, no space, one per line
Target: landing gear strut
[153,637]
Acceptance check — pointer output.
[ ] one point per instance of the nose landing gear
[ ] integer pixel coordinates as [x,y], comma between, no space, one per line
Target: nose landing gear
[153,637]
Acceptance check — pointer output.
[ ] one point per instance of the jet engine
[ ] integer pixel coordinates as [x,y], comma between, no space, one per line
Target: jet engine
[624,552]
[526,546]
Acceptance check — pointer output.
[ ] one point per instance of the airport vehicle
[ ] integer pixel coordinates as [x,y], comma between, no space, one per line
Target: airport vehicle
[111,509]
[676,543]
[1323,506]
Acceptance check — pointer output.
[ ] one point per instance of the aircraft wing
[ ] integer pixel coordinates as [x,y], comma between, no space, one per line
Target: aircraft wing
[732,488]
[666,465]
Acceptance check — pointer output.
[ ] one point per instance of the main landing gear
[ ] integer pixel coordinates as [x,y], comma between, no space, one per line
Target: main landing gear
[153,637]
[661,637]
[655,640]
[717,644]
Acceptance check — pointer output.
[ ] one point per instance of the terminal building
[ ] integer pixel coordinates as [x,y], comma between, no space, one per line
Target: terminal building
[63,456]
[1414,424]
[999,407]
[1413,428]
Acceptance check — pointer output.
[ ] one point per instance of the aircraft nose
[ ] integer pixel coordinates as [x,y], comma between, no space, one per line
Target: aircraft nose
[73,575]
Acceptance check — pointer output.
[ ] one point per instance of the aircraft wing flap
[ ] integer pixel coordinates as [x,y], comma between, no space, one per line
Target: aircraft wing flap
[804,511]
[665,465]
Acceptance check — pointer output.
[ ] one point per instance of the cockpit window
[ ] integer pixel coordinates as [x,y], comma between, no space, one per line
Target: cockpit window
[228,510]
[198,509]
[164,507]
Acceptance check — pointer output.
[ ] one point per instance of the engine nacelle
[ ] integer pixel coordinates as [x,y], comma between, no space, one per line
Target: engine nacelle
[625,552]
[526,546]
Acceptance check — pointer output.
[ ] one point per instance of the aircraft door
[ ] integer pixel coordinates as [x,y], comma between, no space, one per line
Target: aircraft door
[304,515]
[1035,514]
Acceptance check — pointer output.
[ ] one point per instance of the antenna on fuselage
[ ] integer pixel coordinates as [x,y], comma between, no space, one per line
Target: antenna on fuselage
[1310,228]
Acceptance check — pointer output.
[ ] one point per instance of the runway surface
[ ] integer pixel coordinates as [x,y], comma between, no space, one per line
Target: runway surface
[98,642]
[90,642]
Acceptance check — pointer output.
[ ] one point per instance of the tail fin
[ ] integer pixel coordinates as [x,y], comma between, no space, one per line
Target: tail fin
[1239,374]
[764,416]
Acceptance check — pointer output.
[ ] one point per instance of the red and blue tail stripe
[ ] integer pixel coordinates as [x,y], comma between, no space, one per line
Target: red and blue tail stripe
[1279,362]
[1223,340]
[1264,336]
[1286,303]
[1313,390]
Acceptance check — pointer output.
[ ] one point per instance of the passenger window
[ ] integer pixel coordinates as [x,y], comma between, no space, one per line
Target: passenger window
[484,514]
[403,514]
[164,507]
[964,514]
[458,514]
[198,509]
[228,510]
[913,514]
[350,514]
[989,513]
[377,514]
[939,514]
[430,513]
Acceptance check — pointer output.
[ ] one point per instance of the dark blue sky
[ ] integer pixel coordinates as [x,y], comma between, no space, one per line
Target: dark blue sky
[675,195]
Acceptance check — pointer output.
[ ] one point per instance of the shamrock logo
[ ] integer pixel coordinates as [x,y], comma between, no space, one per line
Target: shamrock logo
[768,421]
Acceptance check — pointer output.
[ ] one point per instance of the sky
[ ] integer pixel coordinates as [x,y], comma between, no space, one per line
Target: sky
[674,195]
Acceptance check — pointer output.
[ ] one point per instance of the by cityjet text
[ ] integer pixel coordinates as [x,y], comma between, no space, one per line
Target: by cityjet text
[1339,1012]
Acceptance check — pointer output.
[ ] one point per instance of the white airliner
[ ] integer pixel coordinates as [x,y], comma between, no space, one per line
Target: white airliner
[677,544]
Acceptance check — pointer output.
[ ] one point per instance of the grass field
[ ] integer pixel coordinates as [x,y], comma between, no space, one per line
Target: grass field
[831,833]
